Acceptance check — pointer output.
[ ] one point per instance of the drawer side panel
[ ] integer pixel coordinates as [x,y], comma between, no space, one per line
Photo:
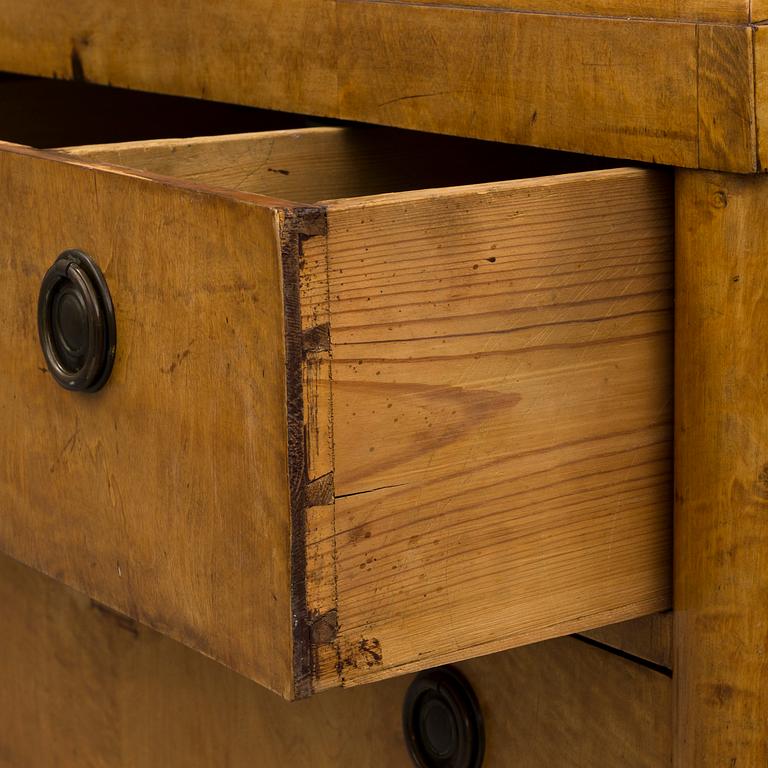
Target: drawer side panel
[502,401]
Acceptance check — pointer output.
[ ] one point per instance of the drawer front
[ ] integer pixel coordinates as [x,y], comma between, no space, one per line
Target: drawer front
[344,440]
[164,494]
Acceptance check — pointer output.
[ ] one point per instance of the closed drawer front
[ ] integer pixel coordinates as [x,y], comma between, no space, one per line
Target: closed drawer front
[109,692]
[350,432]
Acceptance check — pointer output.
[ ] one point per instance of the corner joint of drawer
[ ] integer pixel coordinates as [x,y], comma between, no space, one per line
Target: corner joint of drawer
[305,222]
[317,339]
[319,492]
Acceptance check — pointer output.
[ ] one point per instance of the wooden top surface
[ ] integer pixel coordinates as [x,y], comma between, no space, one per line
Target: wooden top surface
[729,11]
[676,82]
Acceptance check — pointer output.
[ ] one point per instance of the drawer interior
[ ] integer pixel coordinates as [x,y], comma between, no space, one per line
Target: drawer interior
[323,163]
[253,150]
[43,113]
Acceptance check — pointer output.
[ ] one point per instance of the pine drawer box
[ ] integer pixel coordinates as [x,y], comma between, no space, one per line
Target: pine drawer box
[340,440]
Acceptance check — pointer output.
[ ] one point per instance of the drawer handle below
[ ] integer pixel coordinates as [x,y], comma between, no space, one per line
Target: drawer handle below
[442,721]
[76,323]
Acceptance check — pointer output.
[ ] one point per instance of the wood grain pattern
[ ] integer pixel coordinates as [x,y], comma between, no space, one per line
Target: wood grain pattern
[501,387]
[721,468]
[276,484]
[81,686]
[429,67]
[375,472]
[314,164]
[304,165]
[732,11]
[726,97]
[622,87]
[165,495]
[649,638]
[557,704]
[242,51]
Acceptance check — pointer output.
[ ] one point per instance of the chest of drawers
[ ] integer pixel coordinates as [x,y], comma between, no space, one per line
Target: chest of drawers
[424,549]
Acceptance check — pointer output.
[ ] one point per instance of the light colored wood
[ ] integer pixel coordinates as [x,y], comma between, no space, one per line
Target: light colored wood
[165,495]
[243,51]
[304,165]
[501,387]
[81,686]
[312,164]
[450,435]
[559,704]
[553,82]
[649,638]
[726,88]
[732,11]
[623,87]
[759,11]
[721,484]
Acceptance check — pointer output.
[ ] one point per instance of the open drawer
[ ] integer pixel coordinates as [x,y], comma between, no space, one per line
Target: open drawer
[349,439]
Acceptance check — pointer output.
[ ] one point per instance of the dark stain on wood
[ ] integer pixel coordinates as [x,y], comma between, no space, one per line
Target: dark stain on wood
[762,482]
[76,64]
[317,339]
[124,622]
[325,627]
[320,492]
[365,653]
[299,224]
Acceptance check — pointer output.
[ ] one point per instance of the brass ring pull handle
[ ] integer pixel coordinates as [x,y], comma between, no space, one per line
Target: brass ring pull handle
[76,323]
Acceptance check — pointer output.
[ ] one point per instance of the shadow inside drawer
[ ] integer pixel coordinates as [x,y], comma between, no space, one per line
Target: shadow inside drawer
[47,113]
